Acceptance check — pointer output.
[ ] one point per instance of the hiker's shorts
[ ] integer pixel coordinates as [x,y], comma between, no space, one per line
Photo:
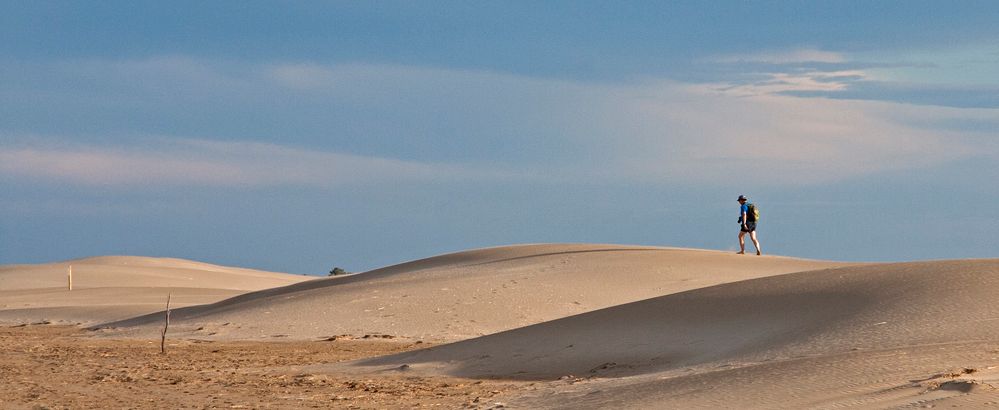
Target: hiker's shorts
[750,227]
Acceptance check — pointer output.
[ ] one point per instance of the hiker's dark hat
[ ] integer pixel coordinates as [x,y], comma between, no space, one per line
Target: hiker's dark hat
[742,198]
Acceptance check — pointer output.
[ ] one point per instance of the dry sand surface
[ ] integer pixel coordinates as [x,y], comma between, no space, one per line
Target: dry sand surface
[888,335]
[58,367]
[468,294]
[550,326]
[116,287]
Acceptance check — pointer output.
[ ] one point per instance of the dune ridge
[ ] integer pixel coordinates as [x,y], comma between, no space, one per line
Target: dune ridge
[137,271]
[468,294]
[116,287]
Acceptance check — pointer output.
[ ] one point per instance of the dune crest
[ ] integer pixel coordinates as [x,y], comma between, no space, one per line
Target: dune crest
[114,287]
[137,271]
[468,294]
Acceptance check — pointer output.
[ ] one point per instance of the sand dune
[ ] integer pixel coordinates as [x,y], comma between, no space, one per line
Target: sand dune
[593,326]
[116,287]
[468,294]
[134,271]
[874,335]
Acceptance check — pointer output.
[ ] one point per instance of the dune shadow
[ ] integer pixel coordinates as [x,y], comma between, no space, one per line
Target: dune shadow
[653,335]
[769,318]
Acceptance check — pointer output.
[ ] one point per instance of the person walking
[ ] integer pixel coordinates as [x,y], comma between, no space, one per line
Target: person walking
[747,222]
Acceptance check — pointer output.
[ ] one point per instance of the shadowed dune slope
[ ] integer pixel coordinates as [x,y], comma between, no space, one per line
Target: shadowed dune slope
[115,287]
[467,294]
[765,320]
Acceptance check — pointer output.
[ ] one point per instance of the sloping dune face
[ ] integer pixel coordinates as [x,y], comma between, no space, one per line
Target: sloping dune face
[848,336]
[468,294]
[115,287]
[134,271]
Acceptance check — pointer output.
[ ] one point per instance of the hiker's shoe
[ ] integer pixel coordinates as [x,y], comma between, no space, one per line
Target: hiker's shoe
[758,253]
[741,253]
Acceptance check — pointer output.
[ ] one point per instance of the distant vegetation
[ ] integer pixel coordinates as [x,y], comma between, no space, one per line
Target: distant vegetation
[337,271]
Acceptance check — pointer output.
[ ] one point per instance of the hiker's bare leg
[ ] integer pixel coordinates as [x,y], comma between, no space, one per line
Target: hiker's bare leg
[752,235]
[742,242]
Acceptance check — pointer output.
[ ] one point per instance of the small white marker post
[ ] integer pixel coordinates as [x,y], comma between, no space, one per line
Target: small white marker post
[70,277]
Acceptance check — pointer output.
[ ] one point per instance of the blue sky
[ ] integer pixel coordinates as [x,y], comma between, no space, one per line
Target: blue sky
[295,136]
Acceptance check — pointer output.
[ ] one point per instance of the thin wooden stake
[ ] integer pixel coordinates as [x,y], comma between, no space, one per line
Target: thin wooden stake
[70,276]
[166,324]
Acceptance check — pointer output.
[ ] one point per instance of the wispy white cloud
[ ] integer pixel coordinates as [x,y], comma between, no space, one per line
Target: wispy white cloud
[208,163]
[712,136]
[797,70]
[801,55]
[776,83]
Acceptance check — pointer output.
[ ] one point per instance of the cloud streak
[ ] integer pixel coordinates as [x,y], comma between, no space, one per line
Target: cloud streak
[191,162]
[712,136]
[800,55]
[813,81]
